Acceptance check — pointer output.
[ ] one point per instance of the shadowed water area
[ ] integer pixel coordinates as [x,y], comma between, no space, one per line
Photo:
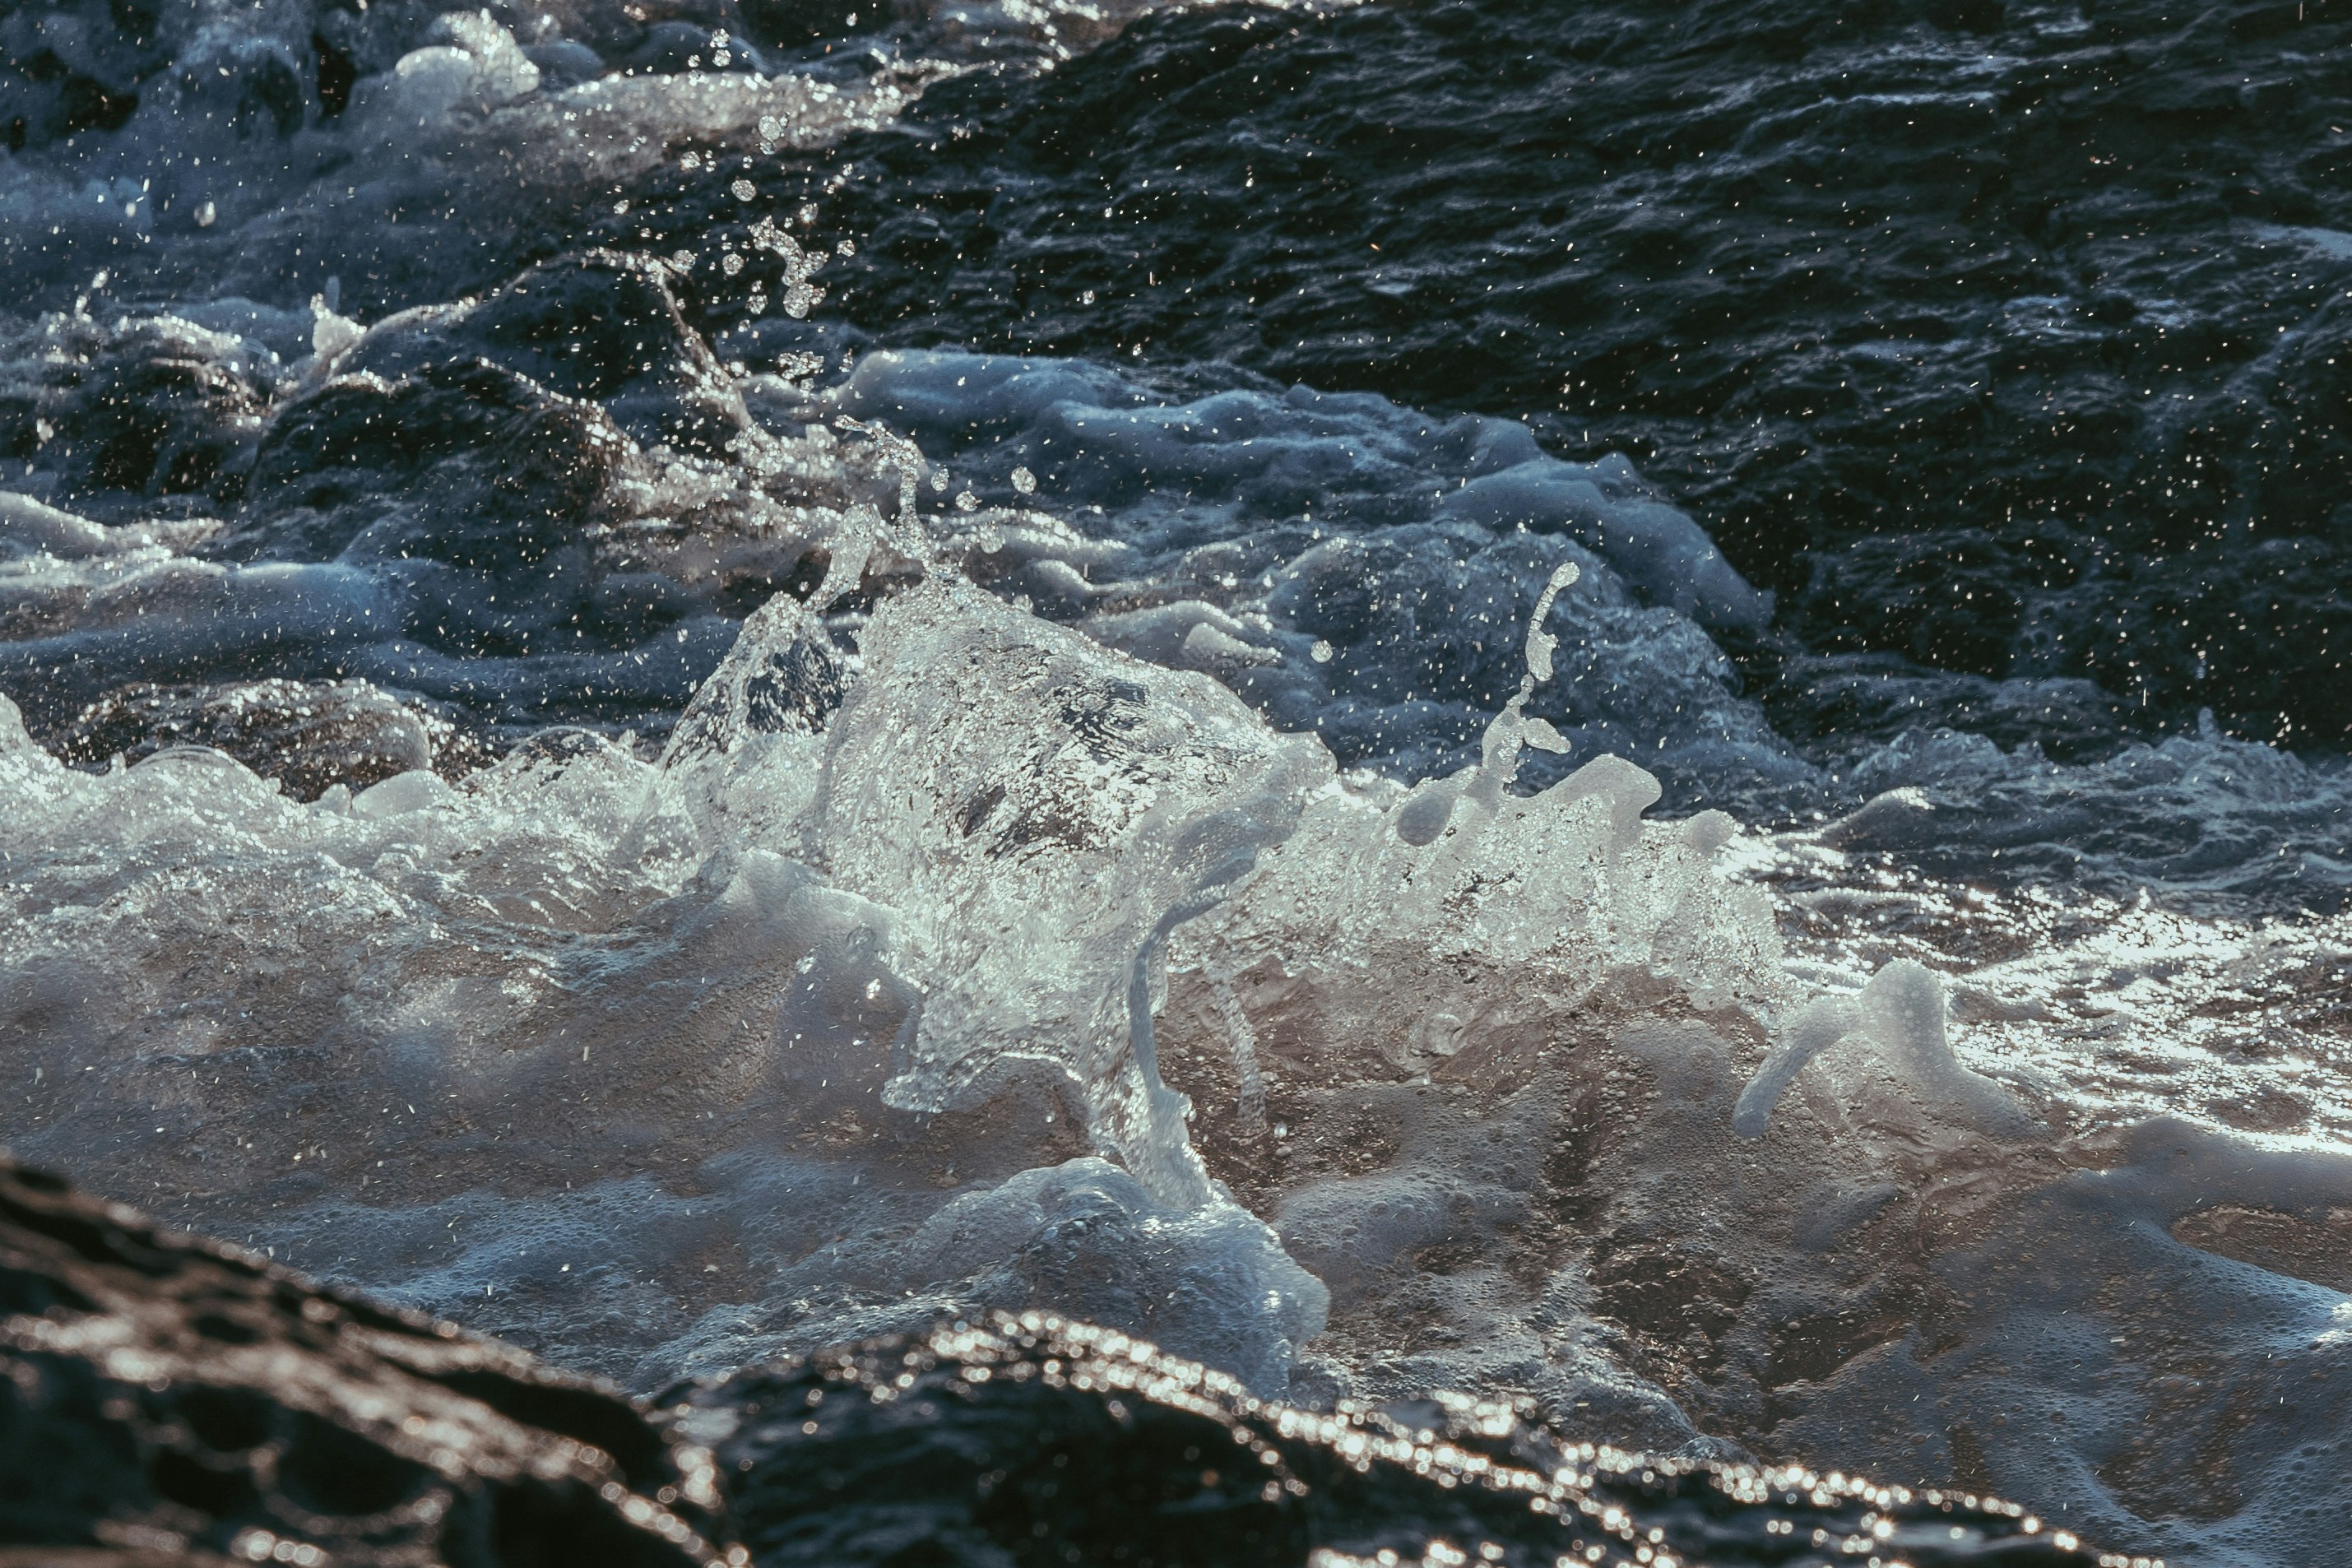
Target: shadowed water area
[1996,340]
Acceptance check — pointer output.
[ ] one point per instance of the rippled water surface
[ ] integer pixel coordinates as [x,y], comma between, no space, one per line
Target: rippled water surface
[1636,709]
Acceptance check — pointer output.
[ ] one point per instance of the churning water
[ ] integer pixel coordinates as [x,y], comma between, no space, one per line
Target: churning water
[1636,708]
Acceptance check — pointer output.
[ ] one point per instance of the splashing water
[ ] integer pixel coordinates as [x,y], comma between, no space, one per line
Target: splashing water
[1199,873]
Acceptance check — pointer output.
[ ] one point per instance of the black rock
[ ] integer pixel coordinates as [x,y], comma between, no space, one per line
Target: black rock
[306,735]
[599,325]
[144,407]
[508,471]
[487,431]
[1036,1441]
[485,441]
[166,1399]
[563,63]
[486,436]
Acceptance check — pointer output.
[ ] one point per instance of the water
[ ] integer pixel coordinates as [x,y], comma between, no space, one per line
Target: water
[1640,712]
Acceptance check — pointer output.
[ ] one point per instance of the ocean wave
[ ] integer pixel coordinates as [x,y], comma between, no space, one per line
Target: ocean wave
[549,773]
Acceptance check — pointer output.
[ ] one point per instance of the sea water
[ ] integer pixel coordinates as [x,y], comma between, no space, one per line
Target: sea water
[574,759]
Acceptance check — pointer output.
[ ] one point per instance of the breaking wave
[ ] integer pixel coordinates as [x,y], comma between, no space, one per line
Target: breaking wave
[554,781]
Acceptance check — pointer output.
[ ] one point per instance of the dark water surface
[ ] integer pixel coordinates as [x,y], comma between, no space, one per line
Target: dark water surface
[1997,340]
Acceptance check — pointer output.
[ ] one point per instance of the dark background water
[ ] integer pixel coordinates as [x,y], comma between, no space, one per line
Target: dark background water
[1998,341]
[2008,346]
[2002,342]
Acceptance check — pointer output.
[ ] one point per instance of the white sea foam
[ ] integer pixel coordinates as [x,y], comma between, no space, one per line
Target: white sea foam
[1234,533]
[896,986]
[952,894]
[233,189]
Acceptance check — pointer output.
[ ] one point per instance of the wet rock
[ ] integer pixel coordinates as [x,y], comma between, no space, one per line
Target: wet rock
[148,407]
[258,86]
[563,63]
[308,734]
[462,462]
[559,472]
[486,434]
[167,1399]
[1038,1441]
[502,457]
[599,325]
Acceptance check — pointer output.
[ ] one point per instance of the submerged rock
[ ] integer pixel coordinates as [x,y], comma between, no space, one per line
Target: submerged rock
[115,417]
[310,735]
[602,325]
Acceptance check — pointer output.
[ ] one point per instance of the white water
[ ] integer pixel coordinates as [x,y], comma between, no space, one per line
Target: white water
[832,1019]
[1142,911]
